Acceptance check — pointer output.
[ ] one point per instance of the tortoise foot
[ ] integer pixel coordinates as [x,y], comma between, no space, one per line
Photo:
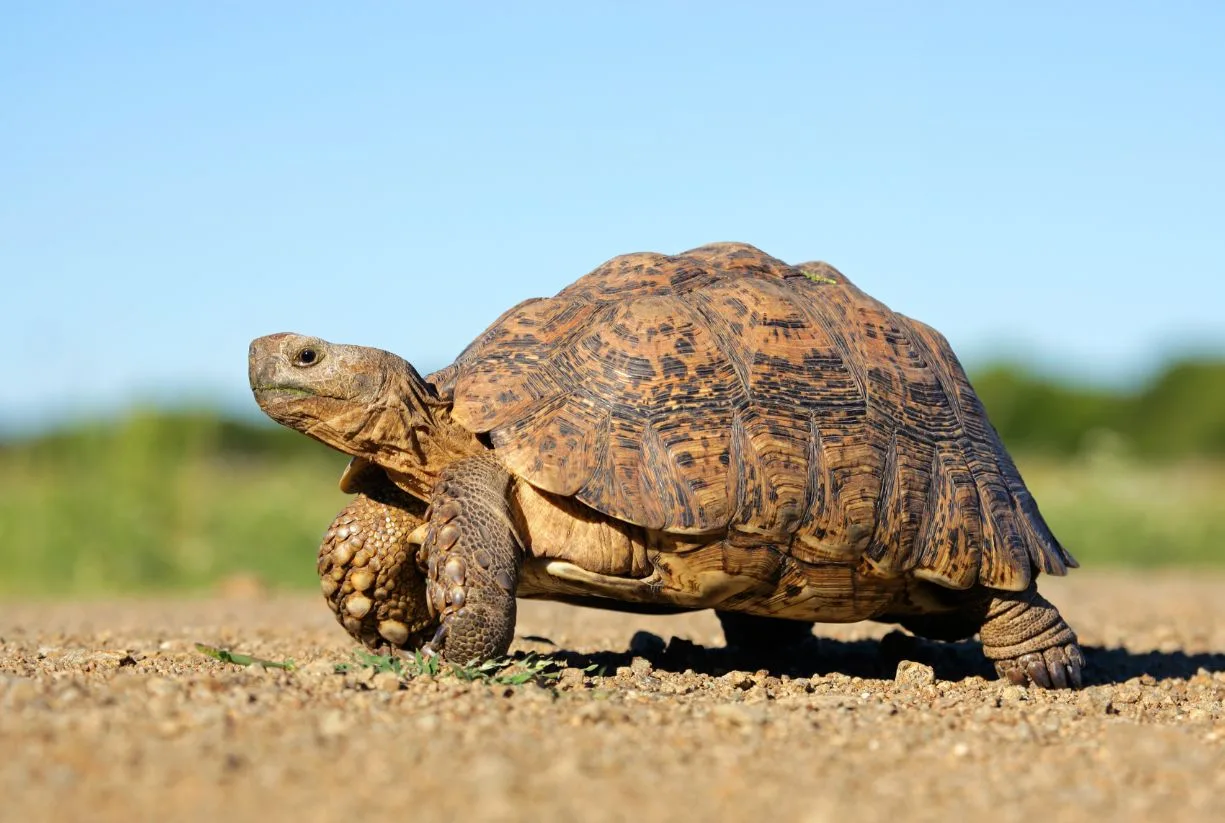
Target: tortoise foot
[472,558]
[1058,667]
[1030,642]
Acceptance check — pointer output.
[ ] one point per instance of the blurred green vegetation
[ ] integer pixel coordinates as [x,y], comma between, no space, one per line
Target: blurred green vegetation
[162,500]
[1178,415]
[185,500]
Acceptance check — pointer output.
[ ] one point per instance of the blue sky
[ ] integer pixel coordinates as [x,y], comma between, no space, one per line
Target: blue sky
[1044,181]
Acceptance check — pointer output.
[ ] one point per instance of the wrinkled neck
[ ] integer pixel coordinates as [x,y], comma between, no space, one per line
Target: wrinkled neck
[409,432]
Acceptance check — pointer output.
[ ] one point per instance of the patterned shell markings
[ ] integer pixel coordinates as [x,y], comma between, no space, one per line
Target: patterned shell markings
[722,389]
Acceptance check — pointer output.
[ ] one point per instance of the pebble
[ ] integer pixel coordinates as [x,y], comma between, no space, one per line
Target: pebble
[910,673]
[386,682]
[572,678]
[740,680]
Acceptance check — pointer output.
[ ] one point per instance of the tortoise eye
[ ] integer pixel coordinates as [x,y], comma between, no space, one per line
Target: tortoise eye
[306,357]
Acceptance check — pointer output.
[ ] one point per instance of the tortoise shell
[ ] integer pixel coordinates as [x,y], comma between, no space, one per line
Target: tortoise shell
[722,391]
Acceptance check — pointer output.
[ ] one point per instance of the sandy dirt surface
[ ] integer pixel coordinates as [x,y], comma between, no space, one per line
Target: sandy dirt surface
[107,712]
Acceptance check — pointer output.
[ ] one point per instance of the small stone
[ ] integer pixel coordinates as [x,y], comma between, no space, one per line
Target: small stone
[572,678]
[740,680]
[360,678]
[1094,701]
[1017,693]
[386,682]
[640,665]
[910,673]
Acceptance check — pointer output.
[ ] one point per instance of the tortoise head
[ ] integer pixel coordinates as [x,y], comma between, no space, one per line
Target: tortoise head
[365,402]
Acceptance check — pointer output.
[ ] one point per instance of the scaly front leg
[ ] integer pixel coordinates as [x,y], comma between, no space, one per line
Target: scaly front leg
[368,567]
[473,553]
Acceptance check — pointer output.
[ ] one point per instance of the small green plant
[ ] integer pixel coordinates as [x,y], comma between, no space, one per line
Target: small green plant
[817,277]
[511,672]
[403,667]
[504,671]
[237,659]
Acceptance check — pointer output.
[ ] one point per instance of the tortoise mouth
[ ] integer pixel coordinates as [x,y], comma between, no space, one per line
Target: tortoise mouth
[283,391]
[284,404]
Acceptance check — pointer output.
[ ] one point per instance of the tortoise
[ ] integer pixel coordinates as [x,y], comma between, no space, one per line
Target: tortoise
[711,430]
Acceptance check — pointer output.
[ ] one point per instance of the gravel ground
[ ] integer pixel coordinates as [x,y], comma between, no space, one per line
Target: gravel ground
[107,711]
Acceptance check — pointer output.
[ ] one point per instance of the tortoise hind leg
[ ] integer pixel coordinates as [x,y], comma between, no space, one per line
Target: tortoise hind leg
[1029,641]
[1021,632]
[766,636]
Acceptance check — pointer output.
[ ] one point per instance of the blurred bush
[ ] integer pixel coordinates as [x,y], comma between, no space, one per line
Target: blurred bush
[163,500]
[1180,414]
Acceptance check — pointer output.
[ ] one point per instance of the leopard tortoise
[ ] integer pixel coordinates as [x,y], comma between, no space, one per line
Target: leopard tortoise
[711,430]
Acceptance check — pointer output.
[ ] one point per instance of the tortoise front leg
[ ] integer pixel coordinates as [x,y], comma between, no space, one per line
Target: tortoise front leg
[473,553]
[368,567]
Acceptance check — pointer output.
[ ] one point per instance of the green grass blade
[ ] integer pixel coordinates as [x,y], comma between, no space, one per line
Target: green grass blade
[238,659]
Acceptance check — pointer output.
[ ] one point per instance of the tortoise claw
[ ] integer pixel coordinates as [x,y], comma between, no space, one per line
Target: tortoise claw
[434,647]
[1059,667]
[417,535]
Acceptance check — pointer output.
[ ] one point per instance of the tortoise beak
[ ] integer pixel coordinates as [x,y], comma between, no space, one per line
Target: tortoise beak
[264,365]
[261,368]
